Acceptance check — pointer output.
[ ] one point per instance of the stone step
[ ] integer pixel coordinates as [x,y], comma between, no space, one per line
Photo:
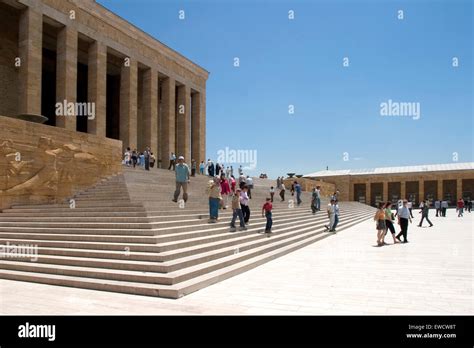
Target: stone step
[184,281]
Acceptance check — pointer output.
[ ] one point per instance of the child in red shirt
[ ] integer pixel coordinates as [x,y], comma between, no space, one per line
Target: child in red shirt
[267,212]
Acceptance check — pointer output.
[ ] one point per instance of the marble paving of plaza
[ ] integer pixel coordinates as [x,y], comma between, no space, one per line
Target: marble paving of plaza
[343,274]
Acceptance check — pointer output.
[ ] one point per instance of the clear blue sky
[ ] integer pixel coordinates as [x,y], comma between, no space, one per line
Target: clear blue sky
[299,62]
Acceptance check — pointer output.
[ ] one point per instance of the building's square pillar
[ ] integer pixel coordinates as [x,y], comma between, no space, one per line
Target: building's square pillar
[128,103]
[183,115]
[30,46]
[66,75]
[167,115]
[96,87]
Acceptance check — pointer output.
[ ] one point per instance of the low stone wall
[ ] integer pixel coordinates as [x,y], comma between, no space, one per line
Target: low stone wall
[327,189]
[44,164]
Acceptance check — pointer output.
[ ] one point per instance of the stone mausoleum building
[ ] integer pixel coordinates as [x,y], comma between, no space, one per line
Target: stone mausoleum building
[440,181]
[103,85]
[145,93]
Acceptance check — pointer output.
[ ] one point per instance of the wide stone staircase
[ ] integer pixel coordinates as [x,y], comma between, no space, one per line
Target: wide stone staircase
[126,235]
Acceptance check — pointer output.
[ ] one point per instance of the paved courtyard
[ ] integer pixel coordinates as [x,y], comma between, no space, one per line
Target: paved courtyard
[343,274]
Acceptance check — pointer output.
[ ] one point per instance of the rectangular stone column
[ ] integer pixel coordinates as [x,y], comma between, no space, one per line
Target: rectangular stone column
[421,189]
[440,189]
[30,45]
[128,103]
[66,74]
[183,117]
[202,126]
[197,125]
[167,120]
[150,109]
[368,193]
[458,189]
[96,87]
[403,190]
[385,191]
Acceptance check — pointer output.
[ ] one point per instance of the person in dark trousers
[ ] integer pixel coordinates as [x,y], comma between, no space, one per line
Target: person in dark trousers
[147,158]
[267,212]
[460,207]
[193,167]
[424,214]
[444,207]
[410,208]
[282,192]
[313,201]
[244,202]
[237,212]
[403,219]
[134,158]
[389,218]
[172,161]
[298,193]
[272,193]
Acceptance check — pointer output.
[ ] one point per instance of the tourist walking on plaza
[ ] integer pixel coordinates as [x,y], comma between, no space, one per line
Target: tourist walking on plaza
[438,207]
[237,212]
[242,180]
[389,218]
[249,182]
[444,207]
[331,215]
[282,191]
[244,202]
[225,190]
[272,193]
[403,219]
[267,212]
[298,193]
[182,179]
[278,183]
[214,190]
[201,168]
[193,167]
[292,189]
[424,214]
[410,207]
[380,226]
[460,207]
[469,206]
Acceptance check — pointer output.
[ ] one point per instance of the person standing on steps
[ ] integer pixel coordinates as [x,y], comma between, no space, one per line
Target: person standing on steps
[225,190]
[128,157]
[193,167]
[282,191]
[214,191]
[379,218]
[389,218]
[278,183]
[336,215]
[232,183]
[249,182]
[424,214]
[403,215]
[298,193]
[267,212]
[313,201]
[318,198]
[210,168]
[182,179]
[244,202]
[272,193]
[146,154]
[134,158]
[331,216]
[172,161]
[152,160]
[237,212]
[201,168]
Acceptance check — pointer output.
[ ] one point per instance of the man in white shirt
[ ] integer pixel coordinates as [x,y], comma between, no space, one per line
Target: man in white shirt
[249,182]
[331,215]
[410,207]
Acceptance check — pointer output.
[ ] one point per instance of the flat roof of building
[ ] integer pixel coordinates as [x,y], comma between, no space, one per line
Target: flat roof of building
[395,170]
